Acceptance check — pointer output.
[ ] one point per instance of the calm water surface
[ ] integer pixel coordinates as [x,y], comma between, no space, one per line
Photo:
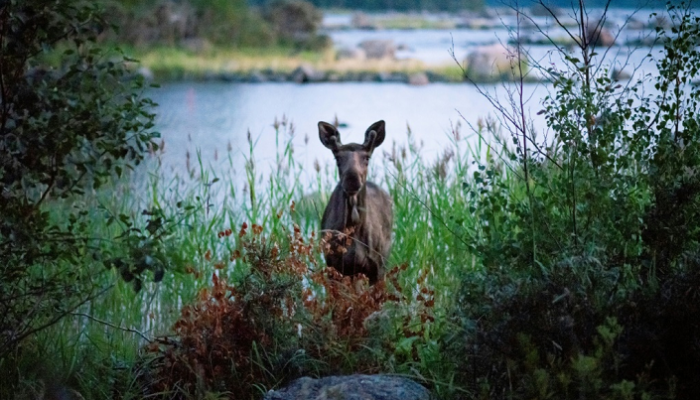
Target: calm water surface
[213,117]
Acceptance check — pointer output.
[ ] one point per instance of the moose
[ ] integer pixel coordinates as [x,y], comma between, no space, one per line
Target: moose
[359,215]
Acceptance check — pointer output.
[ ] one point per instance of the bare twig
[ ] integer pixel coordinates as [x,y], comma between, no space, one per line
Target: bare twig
[129,330]
[9,345]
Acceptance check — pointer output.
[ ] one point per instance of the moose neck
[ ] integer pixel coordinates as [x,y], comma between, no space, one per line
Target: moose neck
[355,208]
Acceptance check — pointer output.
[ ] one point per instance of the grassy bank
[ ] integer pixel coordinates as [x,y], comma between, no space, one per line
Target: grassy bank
[168,63]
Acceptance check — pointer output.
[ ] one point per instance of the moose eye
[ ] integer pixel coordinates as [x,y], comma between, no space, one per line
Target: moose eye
[366,158]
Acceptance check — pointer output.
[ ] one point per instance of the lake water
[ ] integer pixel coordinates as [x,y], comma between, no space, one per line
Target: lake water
[216,117]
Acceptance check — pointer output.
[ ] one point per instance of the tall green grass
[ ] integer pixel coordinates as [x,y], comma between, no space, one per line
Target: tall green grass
[431,213]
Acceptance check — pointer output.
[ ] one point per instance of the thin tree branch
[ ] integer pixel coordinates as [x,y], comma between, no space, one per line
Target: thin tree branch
[6,347]
[129,330]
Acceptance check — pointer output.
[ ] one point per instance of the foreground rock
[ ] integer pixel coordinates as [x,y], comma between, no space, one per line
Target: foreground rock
[352,387]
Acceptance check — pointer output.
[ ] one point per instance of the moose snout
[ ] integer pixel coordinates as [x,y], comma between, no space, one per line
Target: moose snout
[352,183]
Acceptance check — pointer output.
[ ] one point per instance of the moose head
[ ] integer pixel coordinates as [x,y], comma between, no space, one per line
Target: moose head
[353,158]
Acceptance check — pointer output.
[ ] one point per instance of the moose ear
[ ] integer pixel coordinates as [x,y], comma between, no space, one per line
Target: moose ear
[373,141]
[329,135]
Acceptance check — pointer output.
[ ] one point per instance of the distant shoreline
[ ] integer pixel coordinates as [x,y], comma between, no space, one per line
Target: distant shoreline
[283,65]
[272,76]
[374,58]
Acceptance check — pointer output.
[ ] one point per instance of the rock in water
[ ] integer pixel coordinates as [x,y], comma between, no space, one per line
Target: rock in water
[306,73]
[146,73]
[418,79]
[378,49]
[492,63]
[352,387]
[598,36]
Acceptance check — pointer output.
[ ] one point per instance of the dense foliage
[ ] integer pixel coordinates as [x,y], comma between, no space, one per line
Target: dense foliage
[63,133]
[588,253]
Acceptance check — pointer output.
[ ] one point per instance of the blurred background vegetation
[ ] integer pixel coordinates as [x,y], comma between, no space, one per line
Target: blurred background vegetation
[197,24]
[396,5]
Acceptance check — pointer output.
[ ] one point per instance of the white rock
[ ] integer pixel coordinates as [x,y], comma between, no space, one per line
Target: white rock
[492,62]
[418,79]
[379,48]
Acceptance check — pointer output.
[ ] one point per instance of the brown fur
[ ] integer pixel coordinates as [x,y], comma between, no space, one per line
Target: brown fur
[359,208]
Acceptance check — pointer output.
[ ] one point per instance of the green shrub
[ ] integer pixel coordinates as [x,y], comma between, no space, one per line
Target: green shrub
[199,23]
[587,240]
[63,134]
